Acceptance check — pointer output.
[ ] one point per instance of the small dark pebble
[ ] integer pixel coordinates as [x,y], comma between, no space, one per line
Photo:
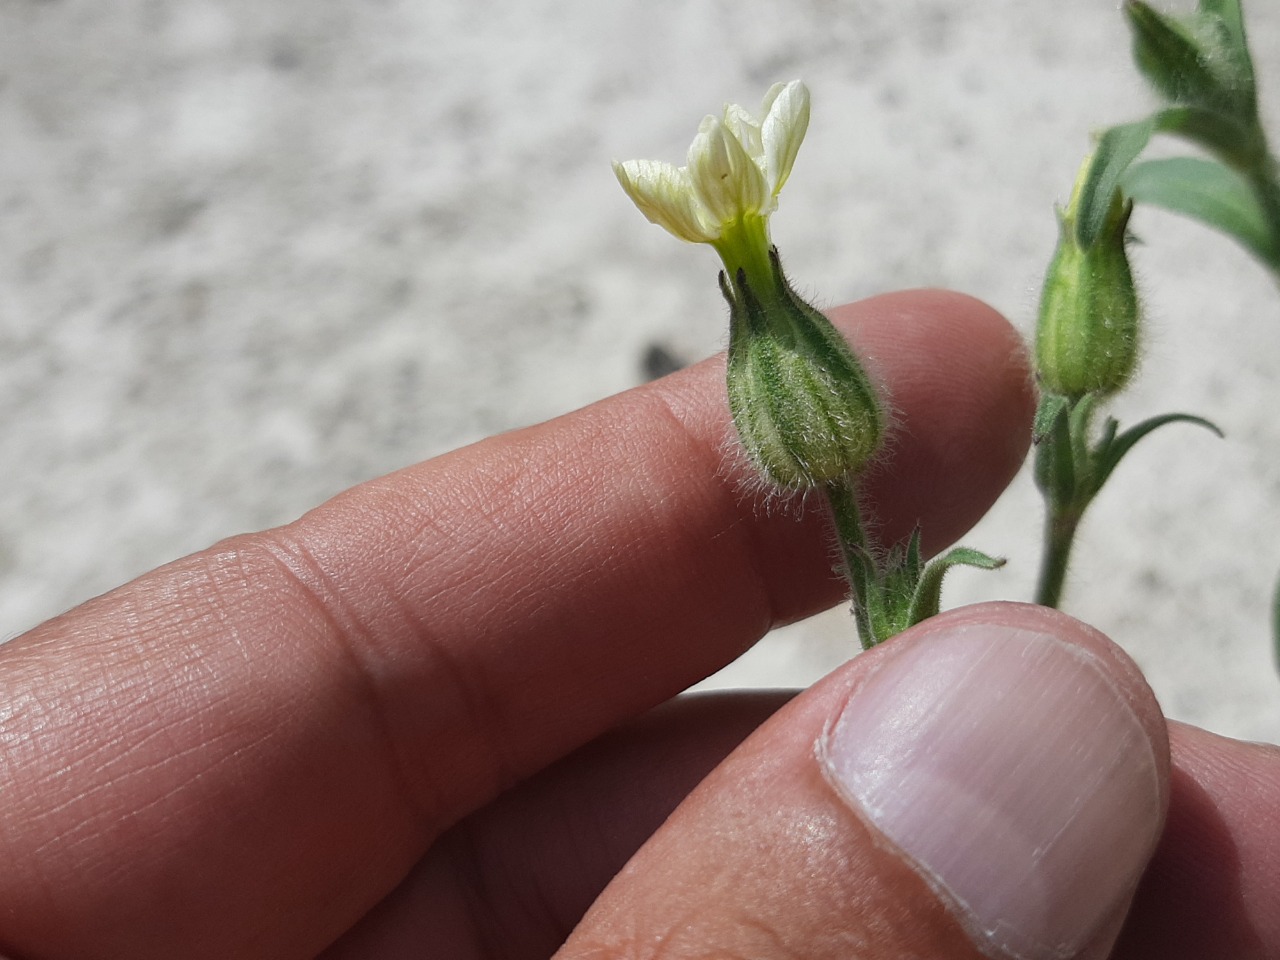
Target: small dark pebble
[658,361]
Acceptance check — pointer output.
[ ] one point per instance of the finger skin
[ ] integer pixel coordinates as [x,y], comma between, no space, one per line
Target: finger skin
[555,842]
[514,878]
[242,752]
[1213,887]
[766,860]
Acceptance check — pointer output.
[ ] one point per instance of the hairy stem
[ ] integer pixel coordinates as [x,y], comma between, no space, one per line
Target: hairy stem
[1060,525]
[842,497]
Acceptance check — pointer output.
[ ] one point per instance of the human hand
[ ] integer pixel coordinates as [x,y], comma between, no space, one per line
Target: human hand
[419,720]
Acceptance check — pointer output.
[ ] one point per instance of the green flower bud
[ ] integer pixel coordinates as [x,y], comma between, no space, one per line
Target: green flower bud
[1087,335]
[804,408]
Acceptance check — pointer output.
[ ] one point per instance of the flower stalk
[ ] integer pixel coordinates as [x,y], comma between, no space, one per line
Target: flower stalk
[806,412]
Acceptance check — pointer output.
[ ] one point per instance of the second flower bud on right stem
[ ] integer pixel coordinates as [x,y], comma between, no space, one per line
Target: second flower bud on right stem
[1087,335]
[1086,350]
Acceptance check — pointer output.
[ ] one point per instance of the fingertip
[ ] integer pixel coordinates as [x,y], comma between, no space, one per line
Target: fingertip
[991,783]
[1018,761]
[939,345]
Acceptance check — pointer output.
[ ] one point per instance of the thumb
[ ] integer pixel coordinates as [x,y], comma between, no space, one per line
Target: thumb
[991,783]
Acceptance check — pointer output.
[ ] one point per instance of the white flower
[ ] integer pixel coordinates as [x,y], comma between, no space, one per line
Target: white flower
[737,164]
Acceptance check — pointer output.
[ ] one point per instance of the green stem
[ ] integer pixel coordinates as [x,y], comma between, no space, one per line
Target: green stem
[1265,180]
[842,497]
[1060,525]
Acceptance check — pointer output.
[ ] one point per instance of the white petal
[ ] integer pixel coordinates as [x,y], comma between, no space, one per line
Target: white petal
[782,130]
[771,95]
[724,176]
[746,129]
[666,197]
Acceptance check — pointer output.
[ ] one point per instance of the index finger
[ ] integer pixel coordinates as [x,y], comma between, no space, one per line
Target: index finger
[243,751]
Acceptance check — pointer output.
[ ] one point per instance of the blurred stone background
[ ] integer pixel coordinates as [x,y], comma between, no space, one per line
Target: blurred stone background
[254,252]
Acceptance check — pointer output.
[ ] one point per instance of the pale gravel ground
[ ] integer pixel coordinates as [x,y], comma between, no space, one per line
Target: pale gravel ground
[254,252]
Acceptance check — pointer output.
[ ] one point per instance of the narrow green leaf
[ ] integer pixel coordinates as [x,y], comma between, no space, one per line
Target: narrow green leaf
[896,582]
[928,593]
[1109,455]
[1094,459]
[1198,60]
[967,557]
[1207,191]
[1117,148]
[1109,430]
[1078,428]
[1241,145]
[913,561]
[1229,13]
[1167,53]
[866,597]
[1055,463]
[1048,410]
